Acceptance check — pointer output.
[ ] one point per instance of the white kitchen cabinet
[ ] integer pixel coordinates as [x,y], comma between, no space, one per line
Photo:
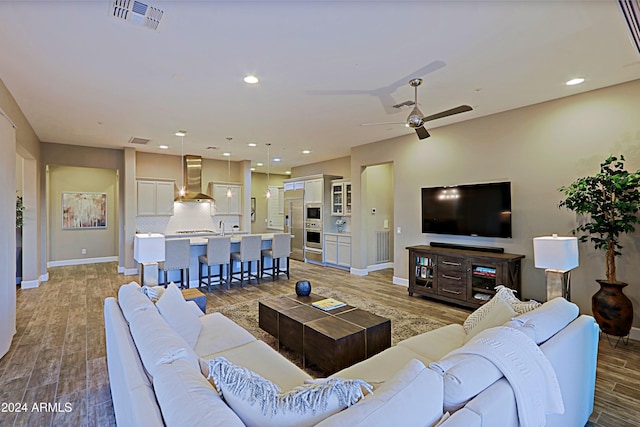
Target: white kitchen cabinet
[294,185]
[340,198]
[155,198]
[313,191]
[225,205]
[337,249]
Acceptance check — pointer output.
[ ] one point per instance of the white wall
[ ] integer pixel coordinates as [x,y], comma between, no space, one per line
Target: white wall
[538,148]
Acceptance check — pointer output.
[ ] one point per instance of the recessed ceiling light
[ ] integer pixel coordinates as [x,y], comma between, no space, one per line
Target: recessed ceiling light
[251,79]
[575,81]
[163,147]
[306,151]
[252,169]
[288,172]
[226,154]
[181,133]
[276,159]
[259,164]
[252,144]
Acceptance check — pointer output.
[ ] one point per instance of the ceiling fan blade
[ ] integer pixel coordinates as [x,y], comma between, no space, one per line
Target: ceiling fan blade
[383,123]
[451,112]
[422,133]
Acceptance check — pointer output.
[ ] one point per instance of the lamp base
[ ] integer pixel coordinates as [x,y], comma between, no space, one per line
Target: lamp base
[148,273]
[558,284]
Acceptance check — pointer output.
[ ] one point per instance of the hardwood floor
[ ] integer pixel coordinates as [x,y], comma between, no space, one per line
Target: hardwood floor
[57,357]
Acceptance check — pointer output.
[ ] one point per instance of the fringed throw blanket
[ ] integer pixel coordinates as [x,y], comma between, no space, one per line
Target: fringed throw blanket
[527,369]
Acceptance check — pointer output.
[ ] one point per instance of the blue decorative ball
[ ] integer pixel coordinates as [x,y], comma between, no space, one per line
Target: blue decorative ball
[303,288]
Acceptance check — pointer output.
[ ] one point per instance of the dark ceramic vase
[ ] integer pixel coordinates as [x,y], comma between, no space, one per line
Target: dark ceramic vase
[303,288]
[612,309]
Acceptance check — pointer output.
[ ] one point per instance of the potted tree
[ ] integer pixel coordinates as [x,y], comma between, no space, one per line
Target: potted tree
[609,203]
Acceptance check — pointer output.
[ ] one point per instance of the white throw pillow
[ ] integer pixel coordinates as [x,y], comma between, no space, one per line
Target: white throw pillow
[187,399]
[504,294]
[174,309]
[259,402]
[131,299]
[411,396]
[498,313]
[549,318]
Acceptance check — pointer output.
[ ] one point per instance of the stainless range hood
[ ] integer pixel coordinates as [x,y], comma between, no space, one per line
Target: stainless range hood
[192,173]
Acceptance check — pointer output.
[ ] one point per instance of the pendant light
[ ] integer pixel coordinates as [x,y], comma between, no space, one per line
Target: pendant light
[268,163]
[229,193]
[181,134]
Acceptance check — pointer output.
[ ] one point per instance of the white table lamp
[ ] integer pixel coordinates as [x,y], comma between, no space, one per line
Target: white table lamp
[148,250]
[558,256]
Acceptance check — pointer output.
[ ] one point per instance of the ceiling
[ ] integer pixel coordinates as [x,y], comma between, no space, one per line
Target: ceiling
[83,77]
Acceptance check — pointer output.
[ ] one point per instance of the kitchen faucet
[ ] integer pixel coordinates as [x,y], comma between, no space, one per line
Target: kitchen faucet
[221,226]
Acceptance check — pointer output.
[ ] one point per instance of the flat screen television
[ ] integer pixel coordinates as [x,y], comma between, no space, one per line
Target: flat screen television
[468,210]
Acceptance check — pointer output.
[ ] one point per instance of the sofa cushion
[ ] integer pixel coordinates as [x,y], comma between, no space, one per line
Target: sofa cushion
[179,316]
[433,345]
[414,392]
[548,319]
[380,367]
[502,294]
[187,399]
[464,376]
[218,334]
[259,402]
[157,342]
[131,299]
[498,313]
[266,362]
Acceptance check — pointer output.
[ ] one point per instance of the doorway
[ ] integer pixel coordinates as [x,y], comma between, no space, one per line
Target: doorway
[378,215]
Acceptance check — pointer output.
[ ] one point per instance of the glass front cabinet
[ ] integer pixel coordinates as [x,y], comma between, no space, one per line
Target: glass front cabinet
[340,198]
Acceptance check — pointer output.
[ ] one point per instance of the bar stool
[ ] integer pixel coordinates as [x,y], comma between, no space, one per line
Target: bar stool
[249,251]
[218,253]
[177,257]
[280,248]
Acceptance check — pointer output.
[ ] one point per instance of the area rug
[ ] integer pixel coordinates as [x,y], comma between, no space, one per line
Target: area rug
[403,325]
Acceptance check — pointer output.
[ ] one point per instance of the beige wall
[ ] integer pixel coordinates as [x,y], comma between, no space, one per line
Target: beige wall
[258,190]
[68,244]
[377,184]
[538,148]
[338,167]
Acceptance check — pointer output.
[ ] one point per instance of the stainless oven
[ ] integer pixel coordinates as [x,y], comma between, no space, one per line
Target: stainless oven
[313,234]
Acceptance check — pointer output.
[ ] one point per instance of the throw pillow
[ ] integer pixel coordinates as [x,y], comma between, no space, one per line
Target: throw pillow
[498,313]
[153,292]
[502,294]
[176,312]
[259,402]
[548,319]
[130,300]
[412,395]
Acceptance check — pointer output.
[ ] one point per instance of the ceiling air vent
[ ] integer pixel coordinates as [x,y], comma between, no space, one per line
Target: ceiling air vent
[139,141]
[631,12]
[137,13]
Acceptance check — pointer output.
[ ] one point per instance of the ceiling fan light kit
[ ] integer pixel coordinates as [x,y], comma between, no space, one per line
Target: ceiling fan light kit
[416,119]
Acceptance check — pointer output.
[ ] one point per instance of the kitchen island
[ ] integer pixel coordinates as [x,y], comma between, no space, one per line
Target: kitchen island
[199,247]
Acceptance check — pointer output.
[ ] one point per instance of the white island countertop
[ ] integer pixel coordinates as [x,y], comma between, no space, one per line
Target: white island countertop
[235,238]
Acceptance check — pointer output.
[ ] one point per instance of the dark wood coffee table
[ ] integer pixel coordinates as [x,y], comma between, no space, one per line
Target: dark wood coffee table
[329,340]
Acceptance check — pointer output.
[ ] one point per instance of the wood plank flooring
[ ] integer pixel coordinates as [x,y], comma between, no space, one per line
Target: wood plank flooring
[57,357]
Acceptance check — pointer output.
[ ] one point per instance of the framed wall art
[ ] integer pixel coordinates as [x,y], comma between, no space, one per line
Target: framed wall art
[84,210]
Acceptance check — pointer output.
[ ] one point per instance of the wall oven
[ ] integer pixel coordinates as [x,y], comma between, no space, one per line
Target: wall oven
[313,234]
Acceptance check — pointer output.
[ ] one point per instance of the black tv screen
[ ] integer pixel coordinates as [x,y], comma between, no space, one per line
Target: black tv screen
[469,210]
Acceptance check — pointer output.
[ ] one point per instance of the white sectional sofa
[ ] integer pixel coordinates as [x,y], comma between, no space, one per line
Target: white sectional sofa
[156,355]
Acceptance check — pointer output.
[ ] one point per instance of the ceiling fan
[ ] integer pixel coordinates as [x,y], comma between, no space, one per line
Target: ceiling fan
[416,119]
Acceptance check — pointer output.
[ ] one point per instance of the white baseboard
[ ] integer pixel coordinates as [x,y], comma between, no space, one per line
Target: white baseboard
[634,334]
[131,271]
[82,261]
[401,281]
[29,284]
[44,277]
[359,271]
[381,266]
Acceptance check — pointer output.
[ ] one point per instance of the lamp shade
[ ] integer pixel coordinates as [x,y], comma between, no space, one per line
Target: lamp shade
[148,247]
[555,253]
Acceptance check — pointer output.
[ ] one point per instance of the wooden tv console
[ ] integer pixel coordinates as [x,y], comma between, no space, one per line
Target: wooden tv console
[460,276]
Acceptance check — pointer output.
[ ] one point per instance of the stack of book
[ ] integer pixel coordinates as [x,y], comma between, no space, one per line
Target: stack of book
[328,304]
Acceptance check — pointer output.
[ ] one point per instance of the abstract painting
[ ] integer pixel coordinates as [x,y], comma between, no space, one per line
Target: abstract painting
[84,210]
